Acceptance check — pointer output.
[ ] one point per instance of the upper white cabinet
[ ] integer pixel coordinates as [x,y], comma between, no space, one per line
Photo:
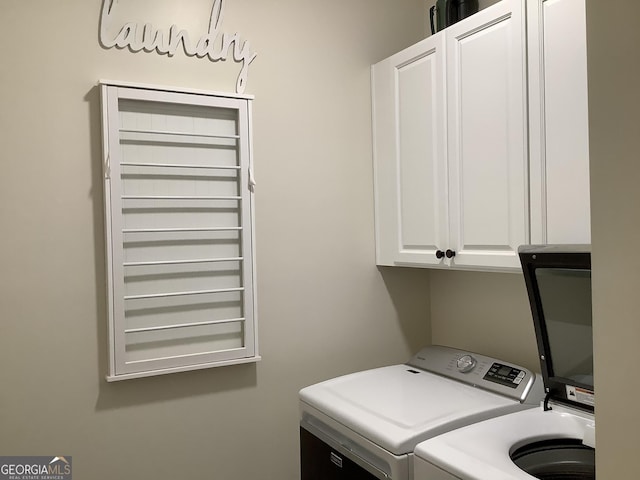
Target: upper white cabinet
[558,119]
[450,150]
[481,139]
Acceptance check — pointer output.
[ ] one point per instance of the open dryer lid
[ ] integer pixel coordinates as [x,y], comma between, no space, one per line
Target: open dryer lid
[558,279]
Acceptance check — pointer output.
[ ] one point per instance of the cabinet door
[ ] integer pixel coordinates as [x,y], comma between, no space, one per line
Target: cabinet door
[486,77]
[559,122]
[409,132]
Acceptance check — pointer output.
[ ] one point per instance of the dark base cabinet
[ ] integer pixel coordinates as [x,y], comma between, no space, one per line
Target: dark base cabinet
[318,461]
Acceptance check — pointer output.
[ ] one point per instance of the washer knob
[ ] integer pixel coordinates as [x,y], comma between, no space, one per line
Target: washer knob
[466,363]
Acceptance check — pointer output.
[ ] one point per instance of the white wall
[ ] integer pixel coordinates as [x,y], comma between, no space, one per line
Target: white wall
[487,313]
[614,102]
[324,309]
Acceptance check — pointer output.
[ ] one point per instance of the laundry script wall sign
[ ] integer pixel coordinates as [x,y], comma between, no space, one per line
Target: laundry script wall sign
[214,44]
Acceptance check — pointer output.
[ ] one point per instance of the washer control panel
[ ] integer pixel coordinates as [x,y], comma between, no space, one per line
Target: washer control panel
[505,375]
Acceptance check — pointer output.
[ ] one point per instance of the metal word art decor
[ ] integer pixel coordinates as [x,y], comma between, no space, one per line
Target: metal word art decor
[213,44]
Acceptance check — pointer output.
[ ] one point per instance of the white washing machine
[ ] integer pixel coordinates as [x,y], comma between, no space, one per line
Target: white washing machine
[556,440]
[365,426]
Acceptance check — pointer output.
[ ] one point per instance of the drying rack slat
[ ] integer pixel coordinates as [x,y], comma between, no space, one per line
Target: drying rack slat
[181,197]
[180,165]
[178,134]
[182,262]
[179,230]
[184,325]
[183,294]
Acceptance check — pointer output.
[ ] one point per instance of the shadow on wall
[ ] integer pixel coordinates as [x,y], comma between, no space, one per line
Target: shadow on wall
[162,388]
[409,290]
[152,389]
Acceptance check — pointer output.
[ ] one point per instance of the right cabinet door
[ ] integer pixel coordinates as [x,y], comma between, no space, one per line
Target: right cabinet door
[487,137]
[558,116]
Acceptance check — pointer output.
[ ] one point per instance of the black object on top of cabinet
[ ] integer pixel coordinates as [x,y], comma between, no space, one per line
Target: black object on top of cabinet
[448,12]
[439,10]
[459,9]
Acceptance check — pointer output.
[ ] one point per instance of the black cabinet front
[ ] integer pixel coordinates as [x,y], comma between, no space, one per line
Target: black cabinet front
[318,461]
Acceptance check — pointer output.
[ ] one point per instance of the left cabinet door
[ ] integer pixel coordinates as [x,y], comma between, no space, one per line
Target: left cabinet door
[410,166]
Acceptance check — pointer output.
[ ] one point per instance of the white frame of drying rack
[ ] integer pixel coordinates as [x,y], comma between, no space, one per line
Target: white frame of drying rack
[111,93]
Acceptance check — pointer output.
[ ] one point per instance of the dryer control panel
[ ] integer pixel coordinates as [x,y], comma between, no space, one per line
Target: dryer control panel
[505,375]
[481,371]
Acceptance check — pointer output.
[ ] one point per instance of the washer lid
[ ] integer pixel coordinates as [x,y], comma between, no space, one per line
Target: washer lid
[398,406]
[558,280]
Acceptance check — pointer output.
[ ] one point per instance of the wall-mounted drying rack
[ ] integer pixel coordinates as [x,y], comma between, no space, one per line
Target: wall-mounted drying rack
[179,220]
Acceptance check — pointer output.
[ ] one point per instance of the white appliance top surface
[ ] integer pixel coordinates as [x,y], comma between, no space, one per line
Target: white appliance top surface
[397,409]
[481,451]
